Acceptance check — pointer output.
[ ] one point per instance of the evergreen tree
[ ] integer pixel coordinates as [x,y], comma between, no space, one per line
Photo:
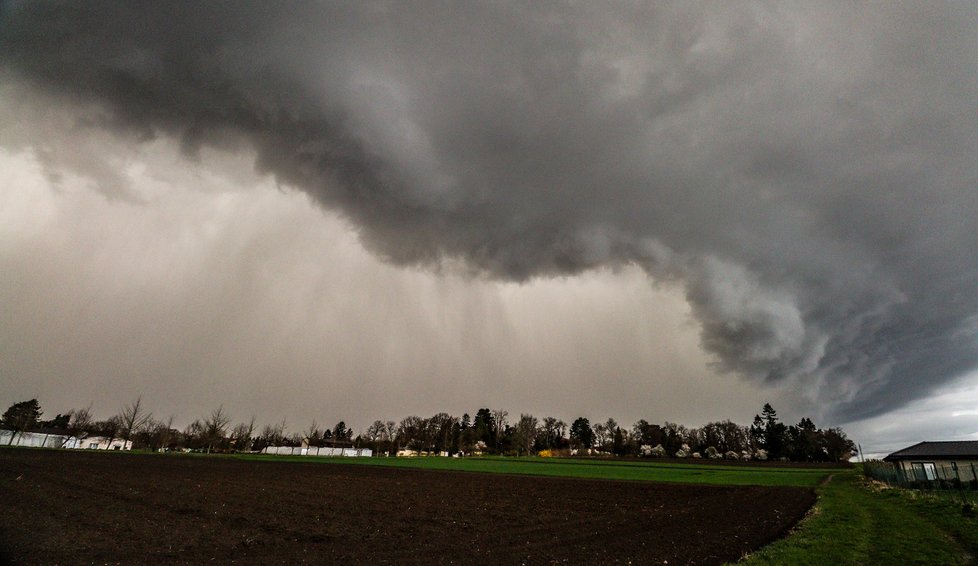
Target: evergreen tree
[618,443]
[21,417]
[484,428]
[581,434]
[60,421]
[775,432]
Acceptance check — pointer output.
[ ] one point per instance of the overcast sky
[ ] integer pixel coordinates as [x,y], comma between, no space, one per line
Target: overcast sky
[369,210]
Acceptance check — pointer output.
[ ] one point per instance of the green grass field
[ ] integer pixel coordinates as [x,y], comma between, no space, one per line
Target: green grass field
[633,470]
[857,523]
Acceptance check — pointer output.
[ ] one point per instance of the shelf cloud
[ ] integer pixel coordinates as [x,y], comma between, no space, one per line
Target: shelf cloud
[807,174]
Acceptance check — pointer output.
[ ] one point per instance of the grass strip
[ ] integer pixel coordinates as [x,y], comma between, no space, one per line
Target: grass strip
[855,522]
[591,469]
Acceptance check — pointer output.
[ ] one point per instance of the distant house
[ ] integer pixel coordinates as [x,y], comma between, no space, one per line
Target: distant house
[938,461]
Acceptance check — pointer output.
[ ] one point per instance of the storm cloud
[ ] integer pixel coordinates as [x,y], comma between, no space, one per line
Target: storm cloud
[808,174]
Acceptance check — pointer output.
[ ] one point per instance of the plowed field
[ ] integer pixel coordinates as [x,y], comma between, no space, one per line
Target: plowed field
[73,507]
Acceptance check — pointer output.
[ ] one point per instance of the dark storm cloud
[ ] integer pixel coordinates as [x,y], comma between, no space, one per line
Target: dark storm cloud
[809,174]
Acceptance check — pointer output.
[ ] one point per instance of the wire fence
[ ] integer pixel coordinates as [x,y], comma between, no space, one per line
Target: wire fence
[939,476]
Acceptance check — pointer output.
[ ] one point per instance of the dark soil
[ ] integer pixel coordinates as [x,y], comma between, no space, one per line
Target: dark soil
[80,507]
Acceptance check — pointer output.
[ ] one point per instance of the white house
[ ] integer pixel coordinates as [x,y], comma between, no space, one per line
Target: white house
[938,461]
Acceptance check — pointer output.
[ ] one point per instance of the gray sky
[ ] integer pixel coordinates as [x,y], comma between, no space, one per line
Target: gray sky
[364,211]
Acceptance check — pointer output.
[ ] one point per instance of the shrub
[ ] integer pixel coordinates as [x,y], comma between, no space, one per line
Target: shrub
[658,451]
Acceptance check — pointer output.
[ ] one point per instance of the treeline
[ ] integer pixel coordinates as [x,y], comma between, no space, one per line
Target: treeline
[488,432]
[492,432]
[134,423]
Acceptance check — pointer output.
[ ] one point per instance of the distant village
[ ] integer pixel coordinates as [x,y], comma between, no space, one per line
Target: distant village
[489,432]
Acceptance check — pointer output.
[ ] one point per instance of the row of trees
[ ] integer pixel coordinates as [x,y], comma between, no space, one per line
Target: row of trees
[488,432]
[492,432]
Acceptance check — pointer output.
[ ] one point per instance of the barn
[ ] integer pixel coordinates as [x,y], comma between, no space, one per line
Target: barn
[949,461]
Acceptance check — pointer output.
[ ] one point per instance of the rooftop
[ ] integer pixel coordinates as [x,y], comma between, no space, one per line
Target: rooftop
[947,449]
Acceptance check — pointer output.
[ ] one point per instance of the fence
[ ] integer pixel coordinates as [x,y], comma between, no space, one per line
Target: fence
[925,475]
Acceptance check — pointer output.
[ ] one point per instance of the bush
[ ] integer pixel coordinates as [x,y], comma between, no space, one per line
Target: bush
[646,451]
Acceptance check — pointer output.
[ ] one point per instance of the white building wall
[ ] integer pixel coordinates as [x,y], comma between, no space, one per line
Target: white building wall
[324,451]
[37,440]
[103,443]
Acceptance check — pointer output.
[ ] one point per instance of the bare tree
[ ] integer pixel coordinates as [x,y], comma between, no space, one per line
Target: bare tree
[161,433]
[133,417]
[499,422]
[602,435]
[526,433]
[108,429]
[241,435]
[725,436]
[314,434]
[194,434]
[440,427]
[390,432]
[81,420]
[375,431]
[294,439]
[271,435]
[412,431]
[553,431]
[214,427]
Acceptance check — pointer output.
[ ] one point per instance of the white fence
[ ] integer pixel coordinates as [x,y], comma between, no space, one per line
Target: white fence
[318,451]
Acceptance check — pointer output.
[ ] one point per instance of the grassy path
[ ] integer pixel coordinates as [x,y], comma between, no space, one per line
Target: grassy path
[854,523]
